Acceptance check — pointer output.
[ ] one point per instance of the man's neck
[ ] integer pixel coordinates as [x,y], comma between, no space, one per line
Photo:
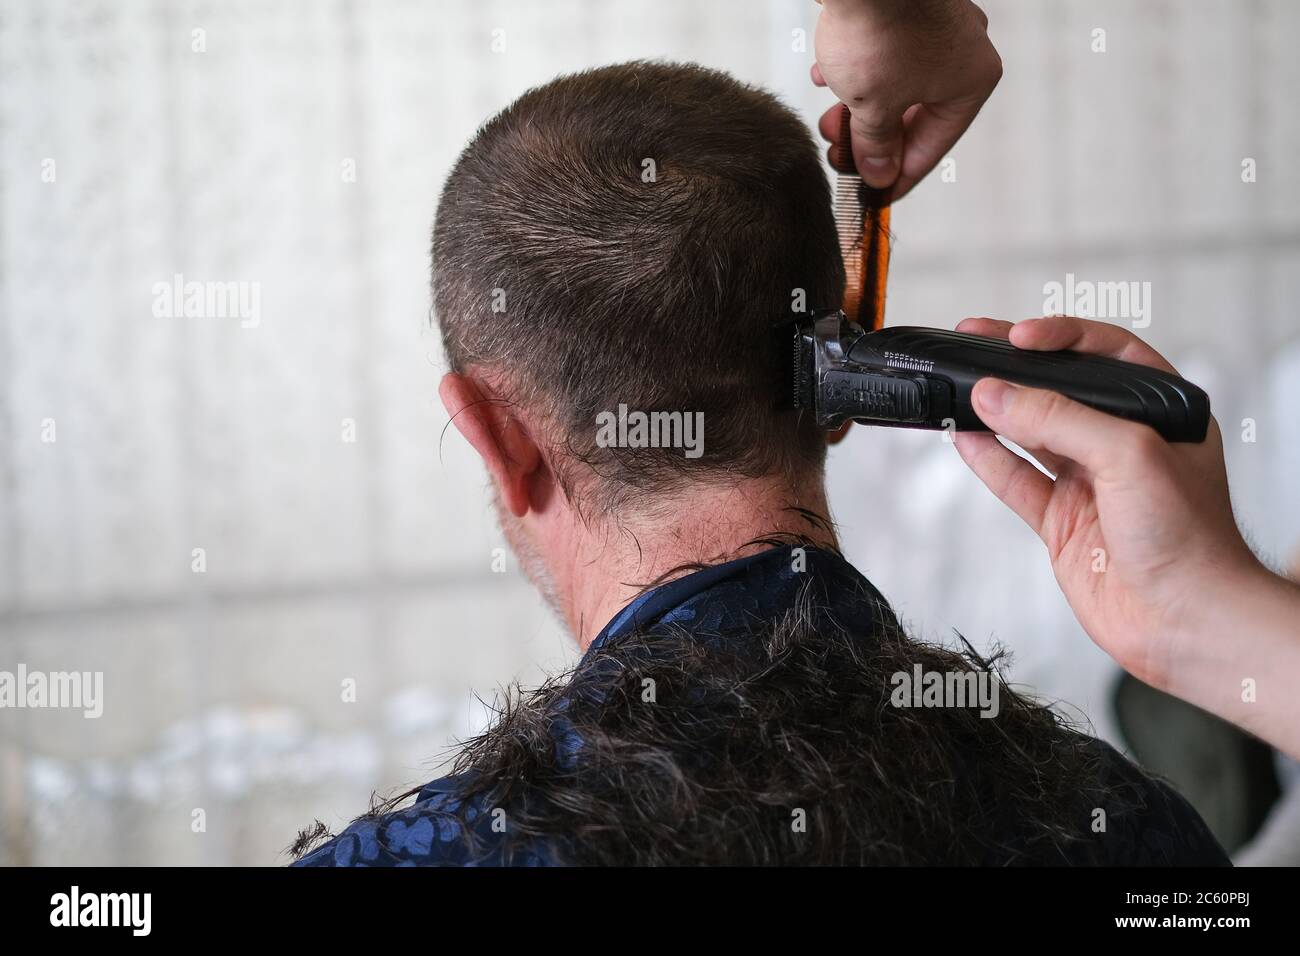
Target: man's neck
[607,565]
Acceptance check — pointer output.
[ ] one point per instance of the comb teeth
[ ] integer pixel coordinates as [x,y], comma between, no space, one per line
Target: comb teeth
[851,225]
[801,360]
[843,161]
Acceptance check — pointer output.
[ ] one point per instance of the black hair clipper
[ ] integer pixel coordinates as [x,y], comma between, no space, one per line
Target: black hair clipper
[912,377]
[848,366]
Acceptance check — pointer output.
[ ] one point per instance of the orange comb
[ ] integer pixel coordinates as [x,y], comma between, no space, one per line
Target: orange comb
[862,221]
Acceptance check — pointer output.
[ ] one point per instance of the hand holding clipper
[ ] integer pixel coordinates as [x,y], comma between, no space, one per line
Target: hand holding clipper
[912,377]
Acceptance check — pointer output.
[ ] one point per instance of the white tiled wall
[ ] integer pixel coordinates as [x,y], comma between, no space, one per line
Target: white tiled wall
[370,560]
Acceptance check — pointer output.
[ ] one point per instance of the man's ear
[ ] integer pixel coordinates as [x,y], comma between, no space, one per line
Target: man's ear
[508,451]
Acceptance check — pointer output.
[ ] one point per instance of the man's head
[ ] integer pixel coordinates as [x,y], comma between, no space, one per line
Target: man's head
[628,236]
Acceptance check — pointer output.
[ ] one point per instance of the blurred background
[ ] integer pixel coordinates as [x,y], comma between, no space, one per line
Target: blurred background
[257,531]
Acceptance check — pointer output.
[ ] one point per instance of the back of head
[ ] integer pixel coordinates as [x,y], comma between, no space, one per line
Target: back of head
[628,236]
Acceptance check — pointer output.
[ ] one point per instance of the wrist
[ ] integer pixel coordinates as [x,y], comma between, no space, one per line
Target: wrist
[1245,633]
[1233,599]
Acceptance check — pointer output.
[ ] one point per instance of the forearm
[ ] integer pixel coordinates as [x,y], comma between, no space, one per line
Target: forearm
[1240,658]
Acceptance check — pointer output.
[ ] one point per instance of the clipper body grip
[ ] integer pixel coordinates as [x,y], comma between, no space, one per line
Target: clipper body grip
[912,377]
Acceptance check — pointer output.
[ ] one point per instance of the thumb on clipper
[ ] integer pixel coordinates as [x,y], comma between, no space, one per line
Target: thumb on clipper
[1038,418]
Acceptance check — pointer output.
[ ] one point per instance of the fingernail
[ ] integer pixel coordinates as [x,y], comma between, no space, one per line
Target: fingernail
[995,395]
[878,163]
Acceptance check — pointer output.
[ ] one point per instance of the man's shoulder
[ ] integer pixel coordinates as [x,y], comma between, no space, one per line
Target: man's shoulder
[440,829]
[1143,821]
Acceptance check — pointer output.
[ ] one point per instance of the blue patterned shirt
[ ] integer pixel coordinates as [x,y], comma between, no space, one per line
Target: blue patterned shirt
[729,602]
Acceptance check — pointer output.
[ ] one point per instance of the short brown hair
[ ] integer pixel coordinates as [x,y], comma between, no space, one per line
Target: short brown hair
[653,291]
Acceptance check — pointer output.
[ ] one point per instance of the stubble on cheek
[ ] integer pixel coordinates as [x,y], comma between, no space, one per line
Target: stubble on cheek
[530,561]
